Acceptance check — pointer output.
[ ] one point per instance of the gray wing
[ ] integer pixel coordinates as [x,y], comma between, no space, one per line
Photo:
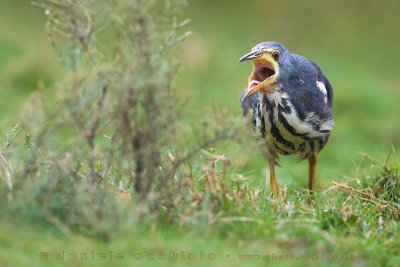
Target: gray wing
[310,93]
[310,90]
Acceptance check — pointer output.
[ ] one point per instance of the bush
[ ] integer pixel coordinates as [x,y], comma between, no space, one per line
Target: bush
[114,130]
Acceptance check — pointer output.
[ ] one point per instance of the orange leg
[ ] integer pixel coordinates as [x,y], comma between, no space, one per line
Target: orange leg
[273,186]
[312,163]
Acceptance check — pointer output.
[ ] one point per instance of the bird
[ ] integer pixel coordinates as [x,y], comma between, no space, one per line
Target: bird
[289,100]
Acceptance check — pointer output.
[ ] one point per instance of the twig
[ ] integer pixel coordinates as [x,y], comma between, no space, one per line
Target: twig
[110,158]
[5,160]
[7,171]
[329,189]
[56,222]
[62,33]
[196,150]
[379,202]
[92,131]
[239,219]
[325,234]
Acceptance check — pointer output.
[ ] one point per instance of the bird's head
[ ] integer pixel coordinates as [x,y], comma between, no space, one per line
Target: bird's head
[268,58]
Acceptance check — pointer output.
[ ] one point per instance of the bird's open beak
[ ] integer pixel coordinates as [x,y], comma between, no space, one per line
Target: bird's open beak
[251,55]
[265,71]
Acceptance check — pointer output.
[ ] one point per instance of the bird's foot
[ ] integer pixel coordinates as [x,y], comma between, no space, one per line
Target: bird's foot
[274,195]
[274,189]
[279,195]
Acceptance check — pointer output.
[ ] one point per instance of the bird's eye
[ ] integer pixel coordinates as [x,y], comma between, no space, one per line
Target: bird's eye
[276,55]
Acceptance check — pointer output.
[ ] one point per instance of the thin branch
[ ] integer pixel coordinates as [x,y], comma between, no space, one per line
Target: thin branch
[91,133]
[197,149]
[238,219]
[379,202]
[56,222]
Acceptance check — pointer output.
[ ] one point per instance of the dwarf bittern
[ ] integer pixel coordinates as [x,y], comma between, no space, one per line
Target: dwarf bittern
[290,101]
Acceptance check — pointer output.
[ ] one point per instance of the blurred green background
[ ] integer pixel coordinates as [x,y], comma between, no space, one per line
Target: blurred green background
[355,43]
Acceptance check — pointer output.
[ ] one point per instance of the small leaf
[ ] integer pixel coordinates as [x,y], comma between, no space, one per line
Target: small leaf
[10,137]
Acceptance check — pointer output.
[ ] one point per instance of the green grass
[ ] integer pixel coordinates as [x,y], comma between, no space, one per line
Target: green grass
[355,44]
[227,219]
